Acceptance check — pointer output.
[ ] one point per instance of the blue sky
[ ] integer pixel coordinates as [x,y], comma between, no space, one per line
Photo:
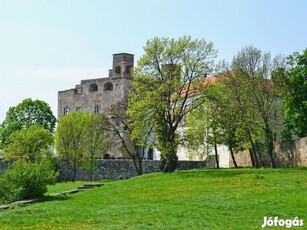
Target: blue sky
[50,45]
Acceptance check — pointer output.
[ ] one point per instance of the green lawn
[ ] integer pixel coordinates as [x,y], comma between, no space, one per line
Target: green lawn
[61,187]
[198,199]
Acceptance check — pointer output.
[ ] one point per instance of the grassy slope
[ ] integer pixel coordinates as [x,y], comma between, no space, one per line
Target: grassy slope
[202,199]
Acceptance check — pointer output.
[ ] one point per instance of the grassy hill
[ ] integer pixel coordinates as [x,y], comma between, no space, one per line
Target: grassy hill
[197,199]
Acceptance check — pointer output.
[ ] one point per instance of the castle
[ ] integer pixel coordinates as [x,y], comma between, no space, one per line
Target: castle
[99,95]
[102,94]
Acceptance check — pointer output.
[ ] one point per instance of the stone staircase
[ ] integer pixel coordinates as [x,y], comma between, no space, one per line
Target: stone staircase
[79,189]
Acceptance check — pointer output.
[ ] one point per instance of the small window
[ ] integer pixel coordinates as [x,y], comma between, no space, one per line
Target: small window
[97,109]
[66,110]
[108,86]
[150,154]
[93,87]
[117,69]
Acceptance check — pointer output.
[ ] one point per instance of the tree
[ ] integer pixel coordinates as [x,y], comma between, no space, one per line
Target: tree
[215,121]
[202,131]
[32,144]
[26,180]
[164,81]
[81,138]
[96,140]
[134,134]
[28,112]
[70,140]
[257,67]
[293,83]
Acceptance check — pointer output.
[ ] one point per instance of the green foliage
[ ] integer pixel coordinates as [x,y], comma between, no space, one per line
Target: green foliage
[31,144]
[162,88]
[96,141]
[198,125]
[80,138]
[23,180]
[241,108]
[27,113]
[70,140]
[293,84]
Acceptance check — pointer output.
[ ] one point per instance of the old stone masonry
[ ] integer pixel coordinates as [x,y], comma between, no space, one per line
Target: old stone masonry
[101,95]
[98,95]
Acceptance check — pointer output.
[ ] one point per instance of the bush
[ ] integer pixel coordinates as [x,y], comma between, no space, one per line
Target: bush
[23,180]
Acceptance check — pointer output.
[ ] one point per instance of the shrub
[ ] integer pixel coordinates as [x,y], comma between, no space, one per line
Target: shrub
[23,180]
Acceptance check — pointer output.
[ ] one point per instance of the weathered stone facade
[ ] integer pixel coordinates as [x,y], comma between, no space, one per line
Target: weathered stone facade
[101,95]
[98,95]
[286,154]
[123,169]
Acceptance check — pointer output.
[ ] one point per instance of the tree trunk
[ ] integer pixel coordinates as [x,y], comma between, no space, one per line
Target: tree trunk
[171,163]
[66,174]
[216,156]
[140,160]
[270,144]
[91,168]
[260,154]
[253,154]
[74,169]
[233,157]
[136,165]
[140,171]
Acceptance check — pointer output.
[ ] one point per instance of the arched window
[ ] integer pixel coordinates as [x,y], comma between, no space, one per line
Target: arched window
[117,69]
[93,87]
[128,69]
[108,86]
[66,110]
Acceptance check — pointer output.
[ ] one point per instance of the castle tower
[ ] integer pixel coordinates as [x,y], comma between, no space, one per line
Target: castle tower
[122,63]
[101,94]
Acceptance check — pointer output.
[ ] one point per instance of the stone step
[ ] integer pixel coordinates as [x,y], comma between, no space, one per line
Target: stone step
[89,186]
[79,189]
[93,185]
[17,203]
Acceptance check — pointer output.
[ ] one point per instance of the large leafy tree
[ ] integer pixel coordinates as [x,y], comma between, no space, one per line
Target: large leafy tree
[217,121]
[257,67]
[133,134]
[28,112]
[70,140]
[243,105]
[165,80]
[32,144]
[293,83]
[97,140]
[80,139]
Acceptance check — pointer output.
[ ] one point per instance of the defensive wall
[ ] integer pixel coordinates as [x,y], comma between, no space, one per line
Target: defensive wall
[286,154]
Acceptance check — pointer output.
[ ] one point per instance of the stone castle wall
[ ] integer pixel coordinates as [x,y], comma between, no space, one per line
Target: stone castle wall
[123,169]
[100,92]
[286,154]
[101,95]
[119,169]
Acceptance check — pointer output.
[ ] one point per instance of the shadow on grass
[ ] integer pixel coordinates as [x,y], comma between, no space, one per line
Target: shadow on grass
[49,198]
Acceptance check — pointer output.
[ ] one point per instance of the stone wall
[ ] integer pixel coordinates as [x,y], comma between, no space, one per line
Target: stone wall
[123,169]
[286,154]
[119,169]
[3,165]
